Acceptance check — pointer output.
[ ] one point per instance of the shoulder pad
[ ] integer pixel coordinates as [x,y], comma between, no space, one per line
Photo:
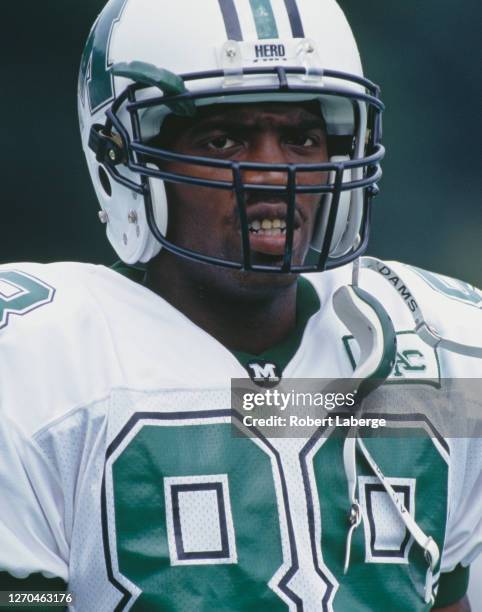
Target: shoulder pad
[446,312]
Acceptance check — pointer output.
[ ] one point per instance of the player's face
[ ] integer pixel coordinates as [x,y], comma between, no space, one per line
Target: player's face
[206,219]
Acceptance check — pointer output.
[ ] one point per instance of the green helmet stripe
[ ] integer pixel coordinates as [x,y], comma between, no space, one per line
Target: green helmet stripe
[264,18]
[95,79]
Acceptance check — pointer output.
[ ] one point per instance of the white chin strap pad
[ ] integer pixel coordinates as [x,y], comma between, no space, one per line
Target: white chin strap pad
[348,218]
[159,203]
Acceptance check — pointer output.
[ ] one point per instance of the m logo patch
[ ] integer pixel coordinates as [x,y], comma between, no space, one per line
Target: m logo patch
[264,373]
[387,540]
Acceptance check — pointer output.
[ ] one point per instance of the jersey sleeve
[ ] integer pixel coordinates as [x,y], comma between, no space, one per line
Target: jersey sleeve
[52,363]
[463,541]
[452,309]
[31,511]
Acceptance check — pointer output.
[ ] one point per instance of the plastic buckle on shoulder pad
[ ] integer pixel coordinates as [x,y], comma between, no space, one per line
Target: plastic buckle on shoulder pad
[354,516]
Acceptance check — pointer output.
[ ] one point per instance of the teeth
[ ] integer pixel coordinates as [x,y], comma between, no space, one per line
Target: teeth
[268,227]
[267,224]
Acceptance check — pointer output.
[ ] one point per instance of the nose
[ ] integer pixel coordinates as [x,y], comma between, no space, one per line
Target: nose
[266,149]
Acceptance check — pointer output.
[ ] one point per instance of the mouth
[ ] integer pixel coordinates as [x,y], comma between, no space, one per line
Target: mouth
[267,228]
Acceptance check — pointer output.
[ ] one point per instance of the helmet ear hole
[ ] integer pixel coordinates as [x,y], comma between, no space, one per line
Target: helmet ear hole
[105,181]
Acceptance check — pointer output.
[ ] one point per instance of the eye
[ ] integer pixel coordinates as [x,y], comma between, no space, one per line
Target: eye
[302,140]
[221,143]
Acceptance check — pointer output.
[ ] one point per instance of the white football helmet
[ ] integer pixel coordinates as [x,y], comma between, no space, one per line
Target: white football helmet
[145,59]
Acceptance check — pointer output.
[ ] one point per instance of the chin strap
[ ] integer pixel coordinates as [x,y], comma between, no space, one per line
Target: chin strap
[373,330]
[429,335]
[427,543]
[355,516]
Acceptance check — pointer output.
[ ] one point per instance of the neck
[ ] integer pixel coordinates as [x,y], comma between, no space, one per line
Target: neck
[241,312]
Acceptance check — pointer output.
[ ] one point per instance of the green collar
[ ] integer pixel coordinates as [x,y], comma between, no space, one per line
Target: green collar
[136,273]
[307,303]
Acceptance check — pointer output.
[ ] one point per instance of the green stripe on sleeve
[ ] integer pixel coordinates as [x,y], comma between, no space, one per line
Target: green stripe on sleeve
[264,18]
[452,587]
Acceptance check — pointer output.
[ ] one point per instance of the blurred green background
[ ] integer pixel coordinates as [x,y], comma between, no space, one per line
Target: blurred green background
[423,54]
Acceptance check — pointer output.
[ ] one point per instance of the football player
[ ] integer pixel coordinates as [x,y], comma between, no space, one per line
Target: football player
[229,161]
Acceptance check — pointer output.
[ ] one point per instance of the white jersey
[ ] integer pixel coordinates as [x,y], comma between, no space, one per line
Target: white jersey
[120,475]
